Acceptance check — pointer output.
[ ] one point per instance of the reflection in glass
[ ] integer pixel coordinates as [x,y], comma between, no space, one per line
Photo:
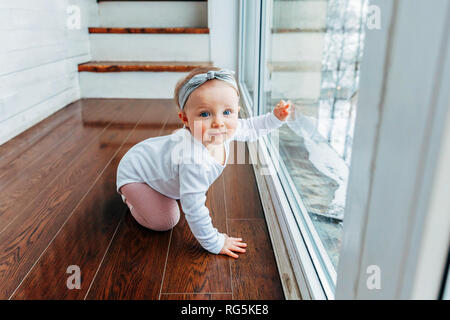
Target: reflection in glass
[313,59]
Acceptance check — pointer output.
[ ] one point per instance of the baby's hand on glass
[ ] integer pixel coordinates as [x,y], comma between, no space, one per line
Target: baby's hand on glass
[233,244]
[282,110]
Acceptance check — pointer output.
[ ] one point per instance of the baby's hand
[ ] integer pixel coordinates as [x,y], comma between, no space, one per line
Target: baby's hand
[232,244]
[282,110]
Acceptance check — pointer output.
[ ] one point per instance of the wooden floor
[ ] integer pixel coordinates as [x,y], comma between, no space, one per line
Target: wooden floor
[59,208]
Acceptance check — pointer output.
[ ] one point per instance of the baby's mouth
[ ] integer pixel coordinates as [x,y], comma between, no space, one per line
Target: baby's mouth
[217,133]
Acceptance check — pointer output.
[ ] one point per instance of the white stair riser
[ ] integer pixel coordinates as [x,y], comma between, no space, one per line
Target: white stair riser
[306,14]
[297,46]
[150,47]
[148,85]
[162,14]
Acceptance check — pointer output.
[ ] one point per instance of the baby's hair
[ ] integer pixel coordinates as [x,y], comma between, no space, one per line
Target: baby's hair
[191,74]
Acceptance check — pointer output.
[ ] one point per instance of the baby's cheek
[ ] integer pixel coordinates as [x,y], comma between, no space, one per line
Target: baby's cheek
[231,127]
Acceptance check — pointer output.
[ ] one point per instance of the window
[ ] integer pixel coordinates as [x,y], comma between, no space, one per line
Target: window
[311,54]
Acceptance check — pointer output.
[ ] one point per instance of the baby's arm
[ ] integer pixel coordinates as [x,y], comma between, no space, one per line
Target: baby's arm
[193,187]
[251,129]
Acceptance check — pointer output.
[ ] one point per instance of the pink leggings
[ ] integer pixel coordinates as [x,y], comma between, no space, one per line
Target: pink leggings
[150,208]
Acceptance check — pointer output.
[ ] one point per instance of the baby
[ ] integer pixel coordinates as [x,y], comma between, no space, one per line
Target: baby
[156,172]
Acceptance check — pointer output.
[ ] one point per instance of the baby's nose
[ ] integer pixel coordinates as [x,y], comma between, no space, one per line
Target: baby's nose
[217,122]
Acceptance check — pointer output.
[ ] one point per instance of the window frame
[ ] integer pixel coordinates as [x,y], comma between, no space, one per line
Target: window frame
[251,108]
[360,236]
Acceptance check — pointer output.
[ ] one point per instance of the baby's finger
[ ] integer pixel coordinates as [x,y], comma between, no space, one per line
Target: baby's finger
[236,239]
[231,254]
[240,244]
[236,248]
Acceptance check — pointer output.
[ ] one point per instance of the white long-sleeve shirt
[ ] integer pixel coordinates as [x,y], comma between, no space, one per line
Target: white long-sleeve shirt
[180,167]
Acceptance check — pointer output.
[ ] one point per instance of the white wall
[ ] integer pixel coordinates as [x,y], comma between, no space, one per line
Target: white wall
[223,23]
[39,55]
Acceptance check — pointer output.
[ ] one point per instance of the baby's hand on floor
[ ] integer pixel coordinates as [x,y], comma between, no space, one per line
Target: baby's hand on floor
[282,110]
[233,244]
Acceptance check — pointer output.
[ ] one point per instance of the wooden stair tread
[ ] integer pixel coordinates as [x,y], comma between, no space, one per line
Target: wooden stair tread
[148,30]
[146,66]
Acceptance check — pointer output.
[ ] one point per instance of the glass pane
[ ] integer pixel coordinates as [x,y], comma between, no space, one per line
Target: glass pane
[250,31]
[313,59]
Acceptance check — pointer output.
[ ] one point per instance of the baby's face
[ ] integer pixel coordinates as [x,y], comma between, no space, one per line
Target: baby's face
[211,112]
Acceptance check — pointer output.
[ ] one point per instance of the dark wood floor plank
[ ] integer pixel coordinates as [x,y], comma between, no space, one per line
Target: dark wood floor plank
[196,296]
[29,181]
[94,221]
[255,274]
[35,152]
[241,188]
[173,122]
[215,202]
[31,138]
[49,145]
[26,237]
[190,268]
[134,264]
[142,251]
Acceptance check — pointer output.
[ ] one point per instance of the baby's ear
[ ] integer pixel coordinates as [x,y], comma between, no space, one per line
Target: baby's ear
[182,116]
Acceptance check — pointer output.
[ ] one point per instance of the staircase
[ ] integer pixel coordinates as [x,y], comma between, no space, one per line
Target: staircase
[142,48]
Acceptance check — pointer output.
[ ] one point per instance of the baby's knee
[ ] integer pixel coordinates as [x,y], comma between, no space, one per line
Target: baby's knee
[169,220]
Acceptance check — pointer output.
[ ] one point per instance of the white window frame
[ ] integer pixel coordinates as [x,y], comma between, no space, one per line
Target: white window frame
[412,264]
[250,107]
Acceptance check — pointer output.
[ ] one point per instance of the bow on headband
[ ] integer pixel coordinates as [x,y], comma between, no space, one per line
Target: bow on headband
[199,79]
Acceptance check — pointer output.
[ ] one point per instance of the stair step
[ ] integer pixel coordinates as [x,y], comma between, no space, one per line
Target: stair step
[149,47]
[153,14]
[147,30]
[131,79]
[140,66]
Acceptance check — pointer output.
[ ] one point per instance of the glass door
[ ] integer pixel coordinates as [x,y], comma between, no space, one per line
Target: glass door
[312,52]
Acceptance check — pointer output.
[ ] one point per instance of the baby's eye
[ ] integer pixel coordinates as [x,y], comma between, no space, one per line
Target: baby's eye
[204,114]
[227,112]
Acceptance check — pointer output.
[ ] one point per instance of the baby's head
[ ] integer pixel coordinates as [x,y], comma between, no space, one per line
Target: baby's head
[211,109]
